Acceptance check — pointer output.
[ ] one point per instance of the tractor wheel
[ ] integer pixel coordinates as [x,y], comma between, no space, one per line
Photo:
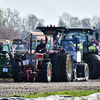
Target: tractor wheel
[47,71]
[82,71]
[65,67]
[74,75]
[11,57]
[93,62]
[54,67]
[15,71]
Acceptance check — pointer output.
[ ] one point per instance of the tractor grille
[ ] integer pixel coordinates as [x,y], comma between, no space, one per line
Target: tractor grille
[31,58]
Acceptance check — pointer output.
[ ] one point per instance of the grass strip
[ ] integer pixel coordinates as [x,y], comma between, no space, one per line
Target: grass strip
[76,93]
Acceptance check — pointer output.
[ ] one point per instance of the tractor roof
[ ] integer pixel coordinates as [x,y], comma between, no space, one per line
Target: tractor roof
[78,28]
[51,30]
[90,30]
[16,41]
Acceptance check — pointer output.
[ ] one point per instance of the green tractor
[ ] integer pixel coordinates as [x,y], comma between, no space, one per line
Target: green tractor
[20,48]
[89,52]
[6,59]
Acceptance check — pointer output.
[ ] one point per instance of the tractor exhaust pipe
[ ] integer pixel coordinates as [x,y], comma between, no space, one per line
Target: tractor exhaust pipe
[31,44]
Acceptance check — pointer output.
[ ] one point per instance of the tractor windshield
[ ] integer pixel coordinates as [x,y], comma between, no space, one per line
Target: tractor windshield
[6,48]
[69,45]
[78,35]
[34,44]
[19,47]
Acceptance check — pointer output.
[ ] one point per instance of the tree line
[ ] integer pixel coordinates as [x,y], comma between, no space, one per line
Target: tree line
[68,20]
[12,25]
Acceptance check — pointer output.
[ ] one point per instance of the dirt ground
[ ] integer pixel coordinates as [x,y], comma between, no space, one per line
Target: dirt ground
[11,88]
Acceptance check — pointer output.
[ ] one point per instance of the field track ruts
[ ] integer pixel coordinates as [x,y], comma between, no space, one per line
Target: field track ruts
[9,87]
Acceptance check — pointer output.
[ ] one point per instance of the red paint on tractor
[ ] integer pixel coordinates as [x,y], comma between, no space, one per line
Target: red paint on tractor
[38,55]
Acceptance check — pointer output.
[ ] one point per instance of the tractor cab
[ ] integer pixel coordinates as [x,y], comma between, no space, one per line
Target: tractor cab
[82,35]
[6,45]
[19,45]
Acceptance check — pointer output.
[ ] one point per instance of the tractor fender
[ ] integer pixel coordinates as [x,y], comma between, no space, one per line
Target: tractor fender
[88,53]
[19,60]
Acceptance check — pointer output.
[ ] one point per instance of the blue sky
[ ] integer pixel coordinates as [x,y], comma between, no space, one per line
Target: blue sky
[50,10]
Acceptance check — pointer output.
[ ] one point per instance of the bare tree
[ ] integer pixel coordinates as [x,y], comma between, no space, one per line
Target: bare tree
[86,22]
[40,23]
[0,17]
[68,20]
[8,33]
[75,22]
[11,18]
[61,22]
[95,21]
[30,23]
[65,19]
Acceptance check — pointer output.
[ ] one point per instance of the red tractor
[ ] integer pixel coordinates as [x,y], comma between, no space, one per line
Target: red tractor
[35,65]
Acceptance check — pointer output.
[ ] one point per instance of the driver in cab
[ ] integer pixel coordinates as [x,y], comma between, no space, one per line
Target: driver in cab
[70,47]
[41,48]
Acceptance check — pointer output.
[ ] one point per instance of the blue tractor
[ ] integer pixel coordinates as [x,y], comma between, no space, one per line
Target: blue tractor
[89,52]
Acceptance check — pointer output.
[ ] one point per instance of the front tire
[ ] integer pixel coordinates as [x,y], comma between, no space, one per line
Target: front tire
[83,71]
[47,71]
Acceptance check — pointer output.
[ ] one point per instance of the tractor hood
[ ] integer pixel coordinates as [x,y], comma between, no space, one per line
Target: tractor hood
[2,59]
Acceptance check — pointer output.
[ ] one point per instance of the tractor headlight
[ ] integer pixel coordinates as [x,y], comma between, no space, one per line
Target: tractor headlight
[7,63]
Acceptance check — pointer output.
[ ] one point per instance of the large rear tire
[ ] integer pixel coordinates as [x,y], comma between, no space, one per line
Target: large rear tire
[15,71]
[93,62]
[54,59]
[54,69]
[65,67]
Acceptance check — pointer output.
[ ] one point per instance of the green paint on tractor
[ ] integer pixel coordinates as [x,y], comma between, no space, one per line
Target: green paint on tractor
[2,59]
[5,70]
